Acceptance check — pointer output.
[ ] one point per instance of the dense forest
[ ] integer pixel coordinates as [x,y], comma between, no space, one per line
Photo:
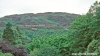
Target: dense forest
[51,34]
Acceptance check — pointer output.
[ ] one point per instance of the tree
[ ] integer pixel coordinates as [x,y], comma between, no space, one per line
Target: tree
[20,37]
[45,50]
[85,29]
[8,34]
[93,8]
[79,34]
[17,36]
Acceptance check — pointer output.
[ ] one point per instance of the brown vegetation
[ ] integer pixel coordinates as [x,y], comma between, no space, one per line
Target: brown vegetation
[16,51]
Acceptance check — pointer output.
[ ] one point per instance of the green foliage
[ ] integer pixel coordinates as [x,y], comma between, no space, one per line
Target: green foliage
[8,34]
[93,8]
[17,37]
[84,31]
[83,34]
[45,50]
[34,52]
[5,54]
[79,33]
[40,18]
[12,35]
[94,44]
[47,39]
[53,42]
[94,47]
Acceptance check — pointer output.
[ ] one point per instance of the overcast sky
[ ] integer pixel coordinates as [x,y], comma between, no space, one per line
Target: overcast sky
[9,7]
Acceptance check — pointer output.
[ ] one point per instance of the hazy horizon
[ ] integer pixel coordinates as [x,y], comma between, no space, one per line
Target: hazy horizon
[9,7]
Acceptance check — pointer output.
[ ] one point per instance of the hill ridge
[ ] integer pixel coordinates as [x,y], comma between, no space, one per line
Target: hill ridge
[56,18]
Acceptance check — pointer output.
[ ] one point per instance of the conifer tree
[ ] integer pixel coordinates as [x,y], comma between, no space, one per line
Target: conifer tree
[8,34]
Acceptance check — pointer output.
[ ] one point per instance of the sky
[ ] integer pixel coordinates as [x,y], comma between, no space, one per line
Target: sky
[9,7]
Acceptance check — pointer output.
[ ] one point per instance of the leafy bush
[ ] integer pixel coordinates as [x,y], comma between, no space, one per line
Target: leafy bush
[5,54]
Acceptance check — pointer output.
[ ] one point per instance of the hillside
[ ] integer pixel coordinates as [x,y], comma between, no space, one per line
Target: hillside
[40,24]
[51,34]
[46,19]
